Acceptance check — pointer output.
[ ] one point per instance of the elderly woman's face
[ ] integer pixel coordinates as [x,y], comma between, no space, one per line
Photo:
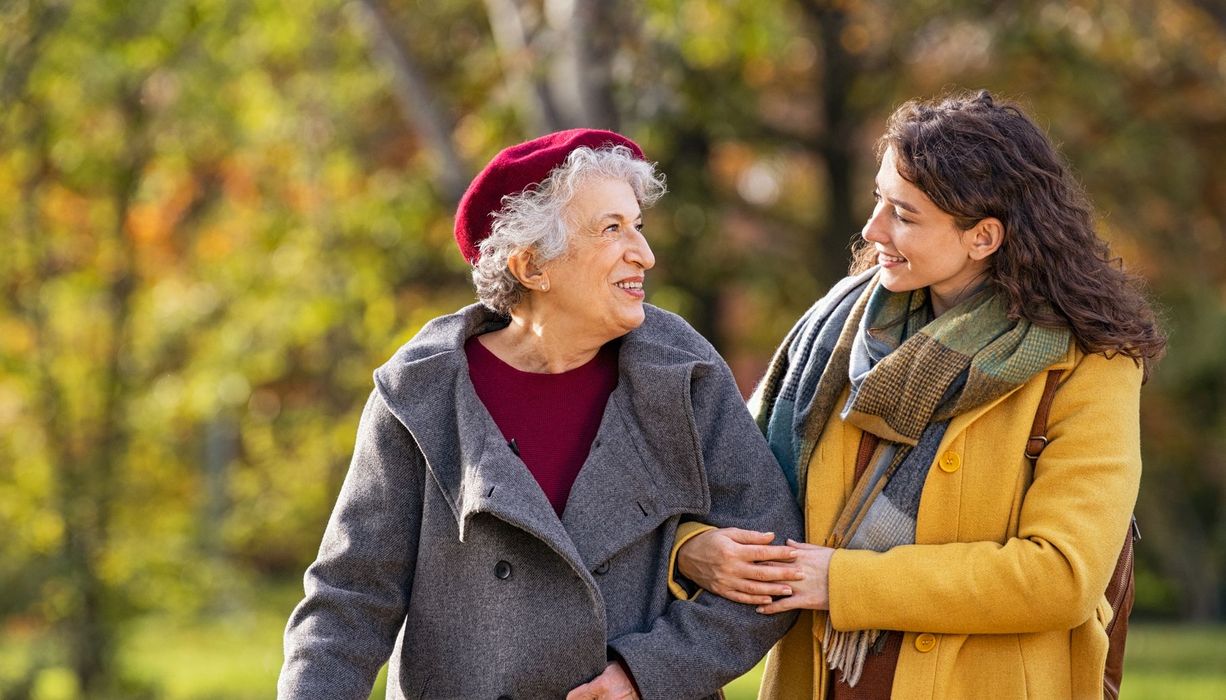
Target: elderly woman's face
[599,281]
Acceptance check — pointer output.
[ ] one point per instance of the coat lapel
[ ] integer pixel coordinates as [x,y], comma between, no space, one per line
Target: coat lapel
[645,465]
[499,484]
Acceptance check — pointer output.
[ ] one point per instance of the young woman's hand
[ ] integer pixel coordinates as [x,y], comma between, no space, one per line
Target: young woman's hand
[812,590]
[740,565]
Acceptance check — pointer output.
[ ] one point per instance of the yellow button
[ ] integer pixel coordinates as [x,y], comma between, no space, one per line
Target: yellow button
[950,462]
[925,642]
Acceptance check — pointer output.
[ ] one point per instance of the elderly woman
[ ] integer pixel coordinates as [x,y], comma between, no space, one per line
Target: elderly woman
[951,553]
[522,465]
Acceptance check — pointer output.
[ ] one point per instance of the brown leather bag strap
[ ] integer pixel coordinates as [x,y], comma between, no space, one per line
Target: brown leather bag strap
[1038,431]
[868,445]
[1121,588]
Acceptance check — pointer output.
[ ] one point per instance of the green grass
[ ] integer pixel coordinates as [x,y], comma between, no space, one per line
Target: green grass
[246,644]
[237,656]
[745,687]
[1170,661]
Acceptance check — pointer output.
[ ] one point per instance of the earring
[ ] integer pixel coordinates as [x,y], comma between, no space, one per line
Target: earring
[544,286]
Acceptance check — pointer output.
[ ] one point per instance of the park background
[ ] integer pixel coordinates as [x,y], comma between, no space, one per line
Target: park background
[218,216]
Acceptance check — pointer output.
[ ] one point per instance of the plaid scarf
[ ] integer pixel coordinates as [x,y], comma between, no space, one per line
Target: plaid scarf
[909,374]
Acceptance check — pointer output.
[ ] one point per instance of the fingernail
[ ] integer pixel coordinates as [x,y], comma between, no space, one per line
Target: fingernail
[791,553]
[787,591]
[761,608]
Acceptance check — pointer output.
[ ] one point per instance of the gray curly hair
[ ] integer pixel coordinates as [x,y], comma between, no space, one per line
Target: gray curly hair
[535,218]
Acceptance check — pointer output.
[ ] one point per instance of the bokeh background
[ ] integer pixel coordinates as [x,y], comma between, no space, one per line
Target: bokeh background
[218,216]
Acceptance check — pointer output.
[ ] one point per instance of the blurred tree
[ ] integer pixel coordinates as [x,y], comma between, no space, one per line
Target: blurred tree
[415,98]
[209,251]
[83,424]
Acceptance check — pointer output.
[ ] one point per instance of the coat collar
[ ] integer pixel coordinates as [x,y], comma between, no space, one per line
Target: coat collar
[962,421]
[640,470]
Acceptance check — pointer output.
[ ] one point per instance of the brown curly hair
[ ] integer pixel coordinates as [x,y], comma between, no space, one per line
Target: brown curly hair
[977,158]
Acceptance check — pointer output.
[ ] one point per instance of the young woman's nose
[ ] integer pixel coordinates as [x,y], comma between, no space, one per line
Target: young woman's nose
[874,228]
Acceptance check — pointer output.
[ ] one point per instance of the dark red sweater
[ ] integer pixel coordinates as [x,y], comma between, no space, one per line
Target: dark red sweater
[553,418]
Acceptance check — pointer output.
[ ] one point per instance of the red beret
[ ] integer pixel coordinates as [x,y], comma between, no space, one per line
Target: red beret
[515,169]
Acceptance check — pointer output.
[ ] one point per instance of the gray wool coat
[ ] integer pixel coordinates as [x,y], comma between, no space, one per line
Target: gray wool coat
[443,551]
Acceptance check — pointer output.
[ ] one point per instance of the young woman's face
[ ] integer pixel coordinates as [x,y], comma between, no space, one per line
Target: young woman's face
[917,244]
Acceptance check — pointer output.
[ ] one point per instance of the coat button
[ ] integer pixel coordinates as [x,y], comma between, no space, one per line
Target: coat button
[950,462]
[925,642]
[502,570]
[602,569]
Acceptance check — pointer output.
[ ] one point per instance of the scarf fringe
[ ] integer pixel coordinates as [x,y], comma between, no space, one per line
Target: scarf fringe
[846,650]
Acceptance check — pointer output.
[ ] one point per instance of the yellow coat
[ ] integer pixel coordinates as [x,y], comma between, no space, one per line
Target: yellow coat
[1002,594]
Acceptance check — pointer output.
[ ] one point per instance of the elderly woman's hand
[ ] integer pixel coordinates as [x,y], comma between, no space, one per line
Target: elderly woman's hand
[740,565]
[812,590]
[614,684]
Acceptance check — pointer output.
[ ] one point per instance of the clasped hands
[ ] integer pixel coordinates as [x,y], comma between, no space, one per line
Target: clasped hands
[743,566]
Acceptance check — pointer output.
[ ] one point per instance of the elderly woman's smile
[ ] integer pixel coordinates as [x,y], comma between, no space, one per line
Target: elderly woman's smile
[634,286]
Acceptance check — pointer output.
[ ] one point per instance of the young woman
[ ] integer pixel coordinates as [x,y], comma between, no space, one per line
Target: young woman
[939,563]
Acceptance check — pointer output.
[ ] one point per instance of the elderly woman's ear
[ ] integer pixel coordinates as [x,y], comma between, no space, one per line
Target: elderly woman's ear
[523,265]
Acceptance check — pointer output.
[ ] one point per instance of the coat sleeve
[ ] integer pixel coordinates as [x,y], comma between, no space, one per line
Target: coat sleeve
[357,589]
[1072,523]
[699,645]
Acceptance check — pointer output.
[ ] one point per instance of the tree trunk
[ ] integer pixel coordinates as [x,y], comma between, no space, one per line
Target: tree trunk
[540,111]
[94,645]
[583,71]
[419,107]
[694,267]
[836,146]
[87,638]
[20,60]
